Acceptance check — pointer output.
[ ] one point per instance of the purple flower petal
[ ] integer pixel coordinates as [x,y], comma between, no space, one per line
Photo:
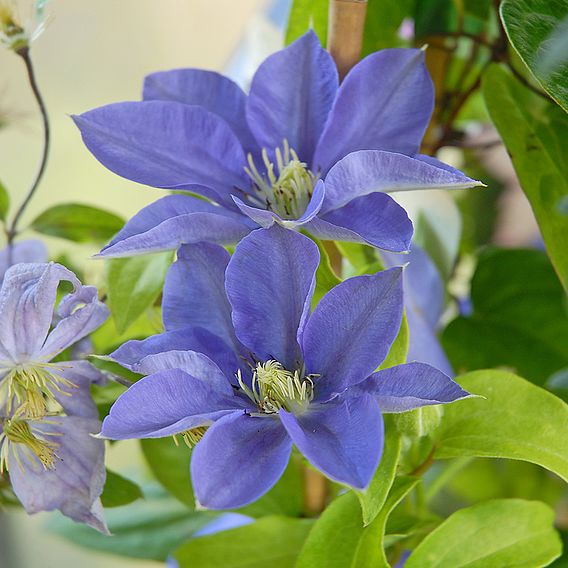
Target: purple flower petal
[194,292]
[267,218]
[351,330]
[409,386]
[239,459]
[74,486]
[167,145]
[166,403]
[196,339]
[375,219]
[291,95]
[270,281]
[384,103]
[208,89]
[175,220]
[27,299]
[342,438]
[369,171]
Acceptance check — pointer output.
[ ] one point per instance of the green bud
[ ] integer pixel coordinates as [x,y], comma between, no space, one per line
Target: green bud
[419,422]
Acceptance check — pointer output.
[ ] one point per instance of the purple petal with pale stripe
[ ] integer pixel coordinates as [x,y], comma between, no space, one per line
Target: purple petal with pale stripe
[239,459]
[342,438]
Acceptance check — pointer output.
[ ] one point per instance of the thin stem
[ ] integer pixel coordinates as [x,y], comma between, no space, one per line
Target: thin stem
[11,232]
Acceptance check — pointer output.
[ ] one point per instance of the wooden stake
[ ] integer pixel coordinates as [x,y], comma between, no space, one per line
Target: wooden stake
[345,32]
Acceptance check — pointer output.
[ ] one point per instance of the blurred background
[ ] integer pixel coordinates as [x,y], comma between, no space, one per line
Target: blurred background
[97,52]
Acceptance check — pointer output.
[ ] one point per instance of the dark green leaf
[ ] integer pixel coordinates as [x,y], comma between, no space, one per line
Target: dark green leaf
[514,420]
[170,465]
[519,317]
[384,18]
[119,491]
[538,30]
[270,542]
[508,532]
[339,539]
[78,223]
[133,284]
[4,202]
[534,132]
[305,15]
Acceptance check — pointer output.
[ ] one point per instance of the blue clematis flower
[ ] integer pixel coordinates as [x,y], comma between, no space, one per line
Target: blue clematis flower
[31,250]
[245,371]
[299,150]
[47,415]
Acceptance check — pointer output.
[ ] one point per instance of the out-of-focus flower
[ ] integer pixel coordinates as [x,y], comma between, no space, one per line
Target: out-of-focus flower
[46,413]
[32,250]
[299,150]
[21,22]
[244,370]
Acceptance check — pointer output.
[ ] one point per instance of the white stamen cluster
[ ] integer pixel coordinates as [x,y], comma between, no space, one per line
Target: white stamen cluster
[17,33]
[286,187]
[274,387]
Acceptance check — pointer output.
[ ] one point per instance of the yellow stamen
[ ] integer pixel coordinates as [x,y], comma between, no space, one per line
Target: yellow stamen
[191,437]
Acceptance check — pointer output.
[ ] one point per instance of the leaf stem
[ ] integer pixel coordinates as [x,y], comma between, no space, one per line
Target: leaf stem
[12,230]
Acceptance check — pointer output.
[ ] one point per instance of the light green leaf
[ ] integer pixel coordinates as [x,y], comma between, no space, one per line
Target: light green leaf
[306,14]
[339,539]
[534,132]
[518,322]
[170,465]
[374,497]
[149,528]
[119,491]
[515,420]
[326,279]
[271,541]
[538,30]
[399,349]
[4,202]
[133,284]
[361,258]
[78,223]
[507,532]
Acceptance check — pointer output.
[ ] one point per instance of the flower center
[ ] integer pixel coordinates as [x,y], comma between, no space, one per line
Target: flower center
[30,388]
[18,432]
[274,387]
[286,187]
[191,437]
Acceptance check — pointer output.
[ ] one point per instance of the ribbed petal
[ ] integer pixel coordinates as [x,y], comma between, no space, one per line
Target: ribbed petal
[173,221]
[409,386]
[238,460]
[291,95]
[208,89]
[270,281]
[351,330]
[384,103]
[342,438]
[77,481]
[166,403]
[369,171]
[374,219]
[167,145]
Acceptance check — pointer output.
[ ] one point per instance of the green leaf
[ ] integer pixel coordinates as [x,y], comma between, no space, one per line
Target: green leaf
[326,279]
[170,465]
[515,420]
[78,223]
[133,284]
[306,14]
[538,30]
[271,541]
[149,528]
[119,491]
[507,532]
[382,23]
[339,539]
[4,202]
[519,318]
[374,497]
[399,349]
[534,132]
